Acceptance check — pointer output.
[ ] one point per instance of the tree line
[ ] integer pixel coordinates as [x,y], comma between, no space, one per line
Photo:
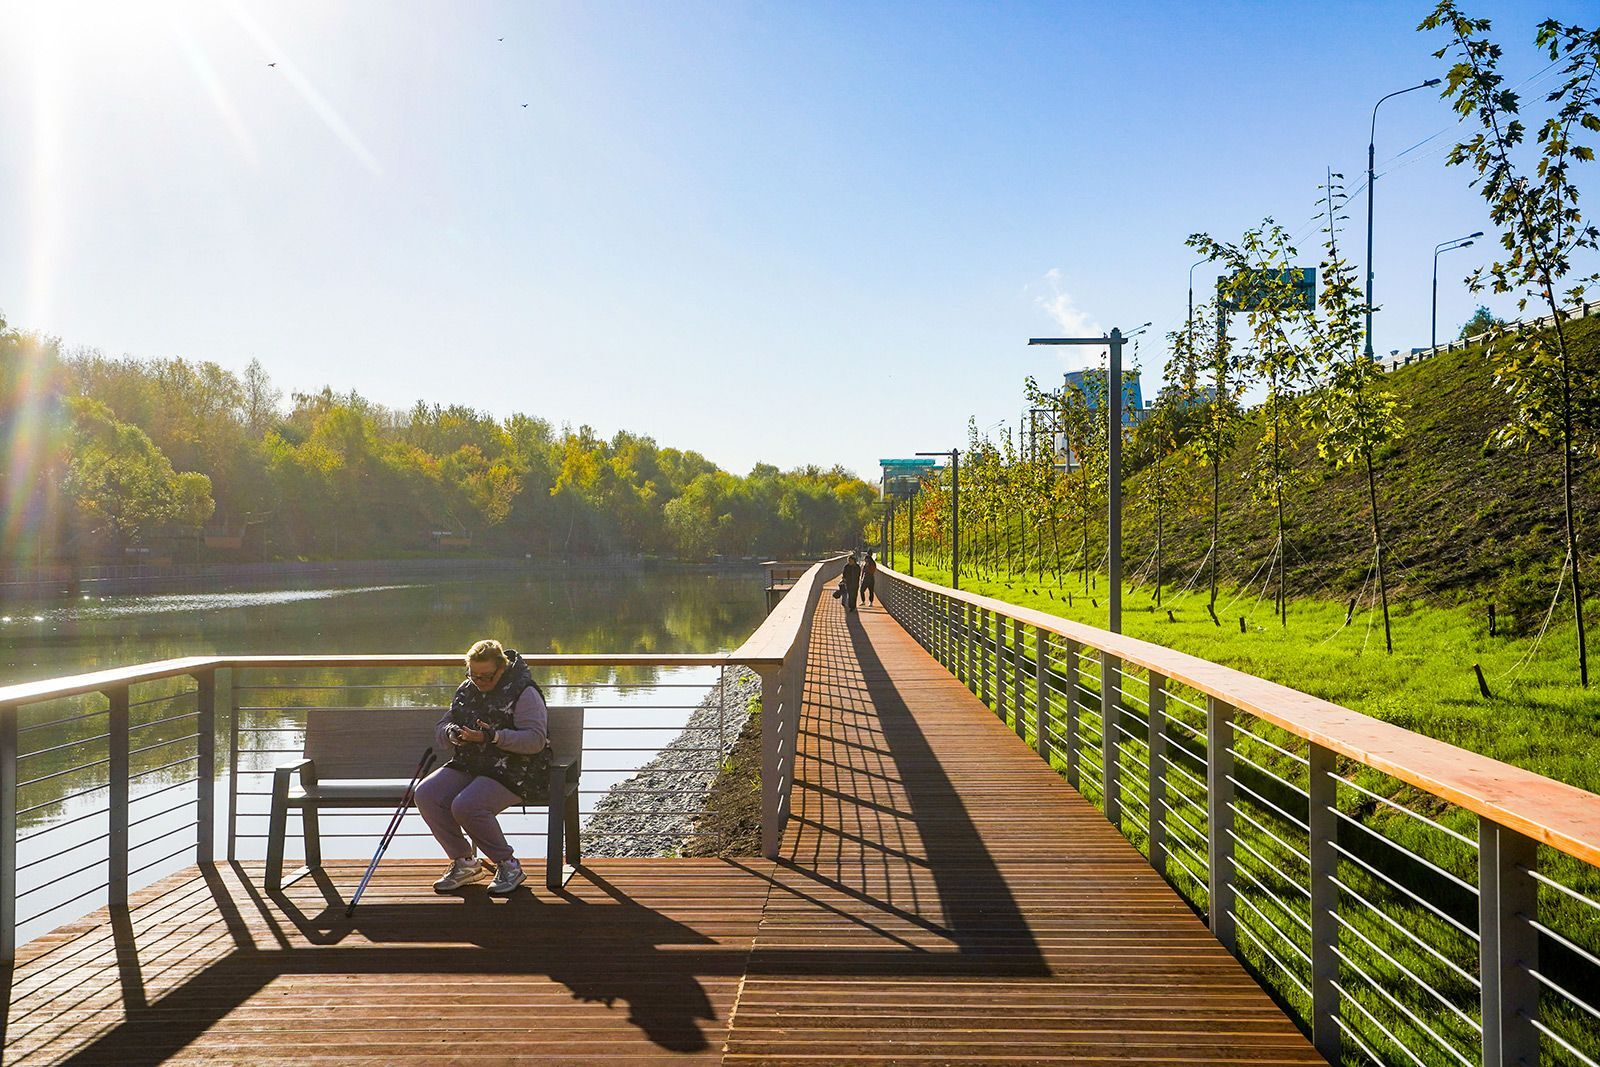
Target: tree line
[113,458]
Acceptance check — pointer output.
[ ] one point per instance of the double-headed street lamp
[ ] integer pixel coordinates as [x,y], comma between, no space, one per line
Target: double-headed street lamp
[1372,137]
[1113,341]
[955,513]
[1444,246]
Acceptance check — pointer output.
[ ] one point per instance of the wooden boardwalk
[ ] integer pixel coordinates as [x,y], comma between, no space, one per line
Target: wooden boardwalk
[941,896]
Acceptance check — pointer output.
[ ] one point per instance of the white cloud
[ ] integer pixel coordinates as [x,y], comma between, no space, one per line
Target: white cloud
[1060,305]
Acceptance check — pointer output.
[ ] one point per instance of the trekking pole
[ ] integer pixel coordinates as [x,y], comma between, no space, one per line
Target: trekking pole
[423,766]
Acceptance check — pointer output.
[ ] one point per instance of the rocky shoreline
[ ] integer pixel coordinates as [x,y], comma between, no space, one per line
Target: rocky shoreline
[661,823]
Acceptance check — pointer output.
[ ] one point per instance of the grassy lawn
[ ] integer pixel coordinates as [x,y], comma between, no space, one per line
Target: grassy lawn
[1539,718]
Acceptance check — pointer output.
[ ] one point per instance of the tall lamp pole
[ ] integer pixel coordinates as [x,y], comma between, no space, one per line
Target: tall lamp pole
[1372,137]
[1444,246]
[1114,341]
[955,513]
[1191,296]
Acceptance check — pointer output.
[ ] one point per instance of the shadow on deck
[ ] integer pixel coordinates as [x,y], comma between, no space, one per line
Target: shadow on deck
[941,895]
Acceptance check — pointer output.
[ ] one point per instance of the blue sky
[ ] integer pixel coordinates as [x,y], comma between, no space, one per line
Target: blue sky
[788,233]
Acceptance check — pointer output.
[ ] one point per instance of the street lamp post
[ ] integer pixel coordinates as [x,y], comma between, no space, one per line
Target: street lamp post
[1372,137]
[1191,297]
[1444,246]
[955,513]
[1113,341]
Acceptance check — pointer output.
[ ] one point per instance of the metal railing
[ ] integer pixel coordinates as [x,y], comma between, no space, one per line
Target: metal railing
[1407,901]
[109,780]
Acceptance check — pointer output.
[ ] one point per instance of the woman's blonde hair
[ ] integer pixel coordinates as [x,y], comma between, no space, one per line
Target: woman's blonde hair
[486,651]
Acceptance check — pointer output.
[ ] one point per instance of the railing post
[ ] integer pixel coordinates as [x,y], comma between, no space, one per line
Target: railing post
[8,832]
[1110,751]
[1219,821]
[234,675]
[772,771]
[1071,713]
[118,787]
[205,813]
[1508,946]
[1000,666]
[1156,739]
[1041,693]
[964,648]
[983,655]
[1324,860]
[1016,678]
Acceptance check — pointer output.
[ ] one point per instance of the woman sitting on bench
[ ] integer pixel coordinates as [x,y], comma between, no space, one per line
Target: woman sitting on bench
[497,725]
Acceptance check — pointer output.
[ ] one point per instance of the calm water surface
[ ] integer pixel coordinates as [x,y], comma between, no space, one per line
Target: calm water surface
[62,798]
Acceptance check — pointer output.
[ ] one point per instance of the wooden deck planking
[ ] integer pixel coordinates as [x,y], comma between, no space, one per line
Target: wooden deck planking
[638,960]
[942,896]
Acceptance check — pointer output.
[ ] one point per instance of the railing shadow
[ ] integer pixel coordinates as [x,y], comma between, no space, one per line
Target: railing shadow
[892,851]
[604,951]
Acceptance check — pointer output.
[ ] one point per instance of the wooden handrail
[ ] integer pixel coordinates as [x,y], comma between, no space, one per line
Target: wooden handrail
[776,636]
[1554,813]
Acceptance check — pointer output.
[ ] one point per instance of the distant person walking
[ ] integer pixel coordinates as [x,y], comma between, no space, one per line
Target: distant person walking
[869,574]
[852,579]
[497,724]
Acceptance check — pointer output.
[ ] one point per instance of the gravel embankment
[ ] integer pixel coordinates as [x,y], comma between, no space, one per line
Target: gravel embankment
[660,823]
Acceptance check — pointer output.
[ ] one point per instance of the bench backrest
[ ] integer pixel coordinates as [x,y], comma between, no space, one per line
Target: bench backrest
[387,742]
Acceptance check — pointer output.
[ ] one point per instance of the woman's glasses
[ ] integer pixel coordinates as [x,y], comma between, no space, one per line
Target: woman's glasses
[486,676]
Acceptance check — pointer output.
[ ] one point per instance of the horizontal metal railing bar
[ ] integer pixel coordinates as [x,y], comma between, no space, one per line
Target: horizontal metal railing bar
[1198,879]
[164,766]
[1399,928]
[136,727]
[62,773]
[59,748]
[1187,799]
[1560,990]
[1394,1002]
[1414,897]
[1349,1032]
[1244,731]
[1285,845]
[1269,805]
[1275,897]
[1550,812]
[1384,1030]
[58,905]
[1195,851]
[163,744]
[1558,887]
[147,701]
[1563,1042]
[102,787]
[1204,761]
[1240,757]
[1186,702]
[1287,971]
[63,852]
[187,802]
[171,855]
[1403,969]
[1194,731]
[190,825]
[1402,809]
[1173,764]
[52,827]
[1396,846]
[1266,863]
[1240,898]
[1566,942]
[63,877]
[62,722]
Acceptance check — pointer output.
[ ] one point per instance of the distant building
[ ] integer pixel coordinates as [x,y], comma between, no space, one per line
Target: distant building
[1133,407]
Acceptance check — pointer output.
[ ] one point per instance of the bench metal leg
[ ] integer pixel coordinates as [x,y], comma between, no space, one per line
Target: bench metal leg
[552,863]
[574,852]
[277,826]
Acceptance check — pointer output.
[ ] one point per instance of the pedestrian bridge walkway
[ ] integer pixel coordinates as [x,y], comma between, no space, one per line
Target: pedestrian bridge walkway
[940,895]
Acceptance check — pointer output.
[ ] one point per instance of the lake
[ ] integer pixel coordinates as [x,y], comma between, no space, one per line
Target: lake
[537,609]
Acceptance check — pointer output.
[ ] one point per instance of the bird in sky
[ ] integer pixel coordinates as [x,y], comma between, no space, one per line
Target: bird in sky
[272,64]
[524,105]
[499,38]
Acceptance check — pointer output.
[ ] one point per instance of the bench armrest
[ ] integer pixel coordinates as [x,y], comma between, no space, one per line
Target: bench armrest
[305,768]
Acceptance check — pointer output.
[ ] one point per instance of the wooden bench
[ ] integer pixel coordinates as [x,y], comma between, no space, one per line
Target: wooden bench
[351,754]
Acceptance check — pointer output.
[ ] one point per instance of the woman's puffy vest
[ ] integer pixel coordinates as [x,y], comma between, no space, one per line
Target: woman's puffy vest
[528,776]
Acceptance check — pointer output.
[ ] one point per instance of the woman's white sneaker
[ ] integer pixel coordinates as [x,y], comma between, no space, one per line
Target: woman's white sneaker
[461,872]
[506,878]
